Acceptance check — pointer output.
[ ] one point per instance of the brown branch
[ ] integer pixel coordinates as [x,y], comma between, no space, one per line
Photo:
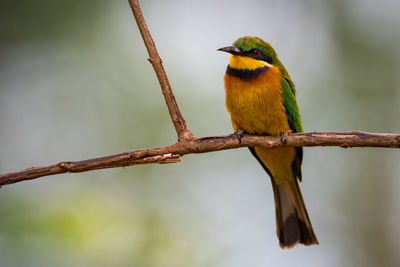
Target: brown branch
[172,153]
[187,143]
[154,58]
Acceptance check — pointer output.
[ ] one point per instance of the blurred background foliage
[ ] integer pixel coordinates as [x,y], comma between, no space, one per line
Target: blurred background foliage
[75,83]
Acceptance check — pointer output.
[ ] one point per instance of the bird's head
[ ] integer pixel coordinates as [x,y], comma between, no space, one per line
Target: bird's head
[250,52]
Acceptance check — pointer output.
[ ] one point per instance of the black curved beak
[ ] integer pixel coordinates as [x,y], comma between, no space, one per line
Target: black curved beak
[231,50]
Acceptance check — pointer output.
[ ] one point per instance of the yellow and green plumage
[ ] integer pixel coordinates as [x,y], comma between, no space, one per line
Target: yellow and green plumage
[260,98]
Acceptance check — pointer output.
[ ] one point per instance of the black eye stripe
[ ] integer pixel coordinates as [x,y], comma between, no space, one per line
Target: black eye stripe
[260,56]
[267,59]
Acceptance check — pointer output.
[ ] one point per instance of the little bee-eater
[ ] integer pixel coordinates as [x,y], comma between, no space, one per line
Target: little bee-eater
[260,98]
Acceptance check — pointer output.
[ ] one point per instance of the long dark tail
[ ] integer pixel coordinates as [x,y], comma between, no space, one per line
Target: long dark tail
[292,221]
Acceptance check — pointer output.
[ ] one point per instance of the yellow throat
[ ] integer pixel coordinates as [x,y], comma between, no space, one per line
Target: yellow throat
[241,62]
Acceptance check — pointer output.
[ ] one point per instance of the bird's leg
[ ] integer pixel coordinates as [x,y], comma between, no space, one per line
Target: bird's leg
[239,134]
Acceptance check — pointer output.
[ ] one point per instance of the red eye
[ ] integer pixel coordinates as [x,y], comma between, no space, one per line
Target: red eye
[256,52]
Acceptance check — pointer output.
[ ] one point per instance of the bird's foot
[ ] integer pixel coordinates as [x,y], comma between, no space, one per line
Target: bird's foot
[284,137]
[239,134]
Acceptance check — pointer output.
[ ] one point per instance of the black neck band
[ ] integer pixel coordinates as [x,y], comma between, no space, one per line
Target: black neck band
[245,74]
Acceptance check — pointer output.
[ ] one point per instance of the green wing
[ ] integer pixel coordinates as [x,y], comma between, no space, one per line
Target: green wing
[290,104]
[294,120]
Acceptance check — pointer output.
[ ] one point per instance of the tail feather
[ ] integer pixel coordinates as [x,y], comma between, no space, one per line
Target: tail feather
[292,221]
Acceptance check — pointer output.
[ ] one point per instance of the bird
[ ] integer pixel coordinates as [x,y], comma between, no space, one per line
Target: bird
[260,97]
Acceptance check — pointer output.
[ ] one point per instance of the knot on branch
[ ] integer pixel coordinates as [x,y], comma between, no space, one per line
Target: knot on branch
[65,165]
[155,61]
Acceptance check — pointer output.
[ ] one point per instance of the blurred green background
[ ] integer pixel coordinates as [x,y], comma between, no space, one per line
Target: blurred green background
[75,83]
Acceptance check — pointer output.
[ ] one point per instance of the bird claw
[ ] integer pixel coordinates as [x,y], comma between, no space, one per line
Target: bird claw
[284,137]
[239,134]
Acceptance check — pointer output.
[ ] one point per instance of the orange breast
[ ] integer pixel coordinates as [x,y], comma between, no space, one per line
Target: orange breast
[255,105]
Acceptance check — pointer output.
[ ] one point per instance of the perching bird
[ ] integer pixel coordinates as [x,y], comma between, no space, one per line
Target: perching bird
[260,97]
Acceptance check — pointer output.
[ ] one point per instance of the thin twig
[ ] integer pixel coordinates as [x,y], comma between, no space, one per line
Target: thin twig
[172,153]
[154,58]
